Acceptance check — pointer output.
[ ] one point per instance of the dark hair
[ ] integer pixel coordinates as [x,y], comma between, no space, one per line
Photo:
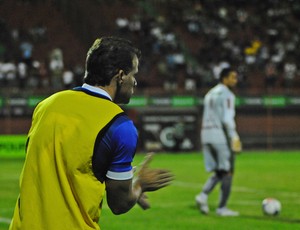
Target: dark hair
[106,57]
[225,73]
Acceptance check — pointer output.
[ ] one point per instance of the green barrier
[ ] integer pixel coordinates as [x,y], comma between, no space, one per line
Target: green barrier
[12,145]
[190,101]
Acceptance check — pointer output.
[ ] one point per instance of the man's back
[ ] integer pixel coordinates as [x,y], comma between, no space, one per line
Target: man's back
[217,108]
[57,182]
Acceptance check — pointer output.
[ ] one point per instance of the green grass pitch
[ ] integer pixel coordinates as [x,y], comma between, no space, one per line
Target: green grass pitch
[258,175]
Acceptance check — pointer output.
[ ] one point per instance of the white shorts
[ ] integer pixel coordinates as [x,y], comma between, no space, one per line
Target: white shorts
[218,157]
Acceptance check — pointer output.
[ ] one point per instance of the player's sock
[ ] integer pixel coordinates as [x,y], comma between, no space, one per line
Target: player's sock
[226,182]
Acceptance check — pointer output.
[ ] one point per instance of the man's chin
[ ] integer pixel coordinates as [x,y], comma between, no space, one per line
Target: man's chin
[123,101]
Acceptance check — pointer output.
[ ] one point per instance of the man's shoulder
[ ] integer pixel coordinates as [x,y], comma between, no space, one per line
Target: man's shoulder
[222,89]
[122,123]
[122,118]
[122,127]
[217,89]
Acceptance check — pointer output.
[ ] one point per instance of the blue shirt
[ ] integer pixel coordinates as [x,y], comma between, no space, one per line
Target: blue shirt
[116,146]
[114,154]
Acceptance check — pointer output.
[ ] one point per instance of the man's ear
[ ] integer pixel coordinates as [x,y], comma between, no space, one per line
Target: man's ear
[120,76]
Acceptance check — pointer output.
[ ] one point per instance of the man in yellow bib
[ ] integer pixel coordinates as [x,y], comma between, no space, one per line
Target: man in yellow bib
[81,145]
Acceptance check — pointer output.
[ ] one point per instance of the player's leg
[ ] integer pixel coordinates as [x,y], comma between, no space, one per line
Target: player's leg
[212,181]
[225,174]
[226,182]
[210,184]
[222,210]
[211,164]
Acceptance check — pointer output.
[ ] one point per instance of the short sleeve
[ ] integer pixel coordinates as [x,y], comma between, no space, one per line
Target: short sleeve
[115,152]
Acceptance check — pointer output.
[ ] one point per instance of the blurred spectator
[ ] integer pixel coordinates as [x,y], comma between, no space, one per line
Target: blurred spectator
[289,74]
[43,75]
[2,80]
[56,67]
[169,83]
[122,25]
[26,48]
[22,74]
[206,76]
[191,78]
[271,75]
[218,67]
[134,25]
[34,77]
[68,78]
[242,70]
[252,51]
[9,71]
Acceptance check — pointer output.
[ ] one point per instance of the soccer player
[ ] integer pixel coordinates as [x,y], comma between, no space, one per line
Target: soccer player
[220,141]
[81,146]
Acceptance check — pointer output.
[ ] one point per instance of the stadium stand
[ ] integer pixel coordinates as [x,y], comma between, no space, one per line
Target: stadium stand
[184,46]
[184,43]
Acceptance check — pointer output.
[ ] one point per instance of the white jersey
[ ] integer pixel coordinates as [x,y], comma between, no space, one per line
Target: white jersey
[218,124]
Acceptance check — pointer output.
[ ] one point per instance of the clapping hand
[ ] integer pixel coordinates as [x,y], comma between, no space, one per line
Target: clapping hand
[151,179]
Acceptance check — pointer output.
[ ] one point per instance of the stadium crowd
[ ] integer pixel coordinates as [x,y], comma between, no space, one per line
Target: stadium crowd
[185,44]
[20,70]
[259,38]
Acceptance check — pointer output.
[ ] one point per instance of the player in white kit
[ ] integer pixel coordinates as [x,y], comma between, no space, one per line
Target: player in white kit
[220,141]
